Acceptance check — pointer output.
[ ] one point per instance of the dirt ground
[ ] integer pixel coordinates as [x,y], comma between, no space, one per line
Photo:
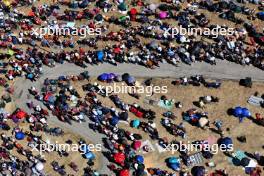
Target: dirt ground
[231,94]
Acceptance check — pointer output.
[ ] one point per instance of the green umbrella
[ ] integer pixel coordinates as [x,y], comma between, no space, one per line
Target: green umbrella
[122,18]
[122,6]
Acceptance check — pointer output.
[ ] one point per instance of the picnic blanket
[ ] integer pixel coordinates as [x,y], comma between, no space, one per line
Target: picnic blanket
[195,159]
[239,155]
[253,100]
[151,102]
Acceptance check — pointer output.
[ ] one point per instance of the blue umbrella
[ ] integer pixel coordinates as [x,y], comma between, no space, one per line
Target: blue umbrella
[260,15]
[114,120]
[20,135]
[174,163]
[226,143]
[89,155]
[131,80]
[111,76]
[30,76]
[175,166]
[245,112]
[84,148]
[135,123]
[237,111]
[100,55]
[140,159]
[103,77]
[173,160]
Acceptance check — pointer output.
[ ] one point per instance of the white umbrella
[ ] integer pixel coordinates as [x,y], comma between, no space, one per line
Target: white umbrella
[39,166]
[208,98]
[152,7]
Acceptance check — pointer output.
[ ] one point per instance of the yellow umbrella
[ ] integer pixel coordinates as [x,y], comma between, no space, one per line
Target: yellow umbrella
[10,52]
[7,2]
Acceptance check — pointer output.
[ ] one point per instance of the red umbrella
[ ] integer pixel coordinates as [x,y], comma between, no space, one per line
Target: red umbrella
[31,14]
[21,114]
[133,11]
[137,145]
[119,157]
[117,50]
[139,114]
[124,172]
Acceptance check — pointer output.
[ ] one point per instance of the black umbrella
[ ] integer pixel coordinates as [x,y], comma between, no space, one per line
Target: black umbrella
[98,17]
[261,161]
[244,162]
[137,136]
[198,171]
[123,115]
[164,7]
[125,76]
